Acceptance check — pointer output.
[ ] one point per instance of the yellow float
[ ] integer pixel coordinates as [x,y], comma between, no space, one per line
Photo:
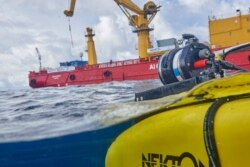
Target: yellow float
[208,126]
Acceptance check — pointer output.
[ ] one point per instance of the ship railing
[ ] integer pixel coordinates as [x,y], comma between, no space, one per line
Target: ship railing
[60,69]
[41,72]
[114,64]
[227,15]
[118,63]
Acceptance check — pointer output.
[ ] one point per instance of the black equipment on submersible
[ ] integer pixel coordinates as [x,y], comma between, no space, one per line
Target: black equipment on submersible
[184,67]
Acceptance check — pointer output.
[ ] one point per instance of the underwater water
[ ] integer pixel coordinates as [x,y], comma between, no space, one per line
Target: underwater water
[29,114]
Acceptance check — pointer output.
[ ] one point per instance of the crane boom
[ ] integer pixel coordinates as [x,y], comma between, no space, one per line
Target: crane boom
[70,12]
[130,5]
[140,20]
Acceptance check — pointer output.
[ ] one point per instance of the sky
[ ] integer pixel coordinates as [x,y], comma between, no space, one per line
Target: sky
[27,24]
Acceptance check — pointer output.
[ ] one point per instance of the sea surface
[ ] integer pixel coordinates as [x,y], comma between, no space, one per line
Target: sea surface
[30,114]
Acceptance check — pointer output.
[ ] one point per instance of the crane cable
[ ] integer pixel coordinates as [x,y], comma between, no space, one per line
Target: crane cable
[71,38]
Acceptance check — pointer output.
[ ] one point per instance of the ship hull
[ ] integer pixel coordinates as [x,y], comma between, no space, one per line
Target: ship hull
[240,58]
[106,72]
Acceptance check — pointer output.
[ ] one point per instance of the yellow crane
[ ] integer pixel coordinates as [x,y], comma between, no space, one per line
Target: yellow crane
[92,59]
[70,12]
[140,20]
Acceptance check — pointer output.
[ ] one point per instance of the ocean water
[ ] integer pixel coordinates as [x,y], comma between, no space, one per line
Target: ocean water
[30,114]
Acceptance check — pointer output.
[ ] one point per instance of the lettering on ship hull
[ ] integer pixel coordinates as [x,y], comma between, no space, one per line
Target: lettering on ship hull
[153,66]
[56,77]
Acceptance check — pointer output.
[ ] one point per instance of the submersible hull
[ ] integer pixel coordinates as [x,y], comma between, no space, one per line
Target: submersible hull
[209,126]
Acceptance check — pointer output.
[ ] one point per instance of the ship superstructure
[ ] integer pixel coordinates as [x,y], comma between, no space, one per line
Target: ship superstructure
[231,31]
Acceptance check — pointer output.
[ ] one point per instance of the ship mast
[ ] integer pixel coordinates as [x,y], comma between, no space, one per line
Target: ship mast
[39,59]
[140,22]
[92,60]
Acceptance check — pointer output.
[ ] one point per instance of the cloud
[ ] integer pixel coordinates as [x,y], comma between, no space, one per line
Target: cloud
[163,28]
[194,5]
[113,39]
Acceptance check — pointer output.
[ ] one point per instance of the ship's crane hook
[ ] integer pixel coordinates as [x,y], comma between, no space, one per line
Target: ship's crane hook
[69,13]
[92,59]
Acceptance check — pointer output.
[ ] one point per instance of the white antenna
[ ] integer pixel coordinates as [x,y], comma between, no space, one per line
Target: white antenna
[81,55]
[39,59]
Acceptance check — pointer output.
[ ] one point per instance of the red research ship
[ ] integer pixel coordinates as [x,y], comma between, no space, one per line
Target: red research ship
[145,67]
